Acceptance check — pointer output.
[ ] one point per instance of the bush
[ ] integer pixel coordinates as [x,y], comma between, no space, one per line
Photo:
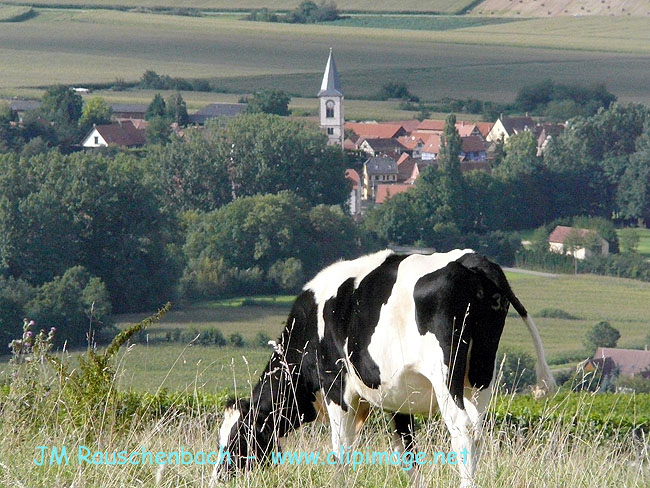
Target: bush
[212,337]
[262,339]
[601,335]
[287,274]
[517,368]
[77,304]
[556,313]
[237,340]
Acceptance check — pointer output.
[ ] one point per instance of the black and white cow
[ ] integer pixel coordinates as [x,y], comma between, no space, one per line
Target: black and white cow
[410,334]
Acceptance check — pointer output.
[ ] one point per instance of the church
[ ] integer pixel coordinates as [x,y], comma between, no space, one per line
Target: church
[330,96]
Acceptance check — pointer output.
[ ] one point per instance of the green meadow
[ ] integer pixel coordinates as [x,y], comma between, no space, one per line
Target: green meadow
[488,62]
[188,366]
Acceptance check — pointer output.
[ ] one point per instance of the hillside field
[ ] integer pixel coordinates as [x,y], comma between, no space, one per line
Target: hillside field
[179,366]
[438,6]
[488,62]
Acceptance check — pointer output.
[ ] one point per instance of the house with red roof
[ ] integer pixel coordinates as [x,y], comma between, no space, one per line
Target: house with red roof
[354,201]
[121,133]
[384,192]
[628,362]
[580,243]
[374,130]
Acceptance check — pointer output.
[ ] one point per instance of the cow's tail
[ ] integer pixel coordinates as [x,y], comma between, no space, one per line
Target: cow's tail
[545,381]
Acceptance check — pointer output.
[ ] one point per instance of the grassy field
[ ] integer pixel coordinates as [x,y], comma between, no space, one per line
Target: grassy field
[446,6]
[177,366]
[489,62]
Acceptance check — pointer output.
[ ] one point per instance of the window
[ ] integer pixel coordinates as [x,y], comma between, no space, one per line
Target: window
[96,139]
[330,131]
[329,109]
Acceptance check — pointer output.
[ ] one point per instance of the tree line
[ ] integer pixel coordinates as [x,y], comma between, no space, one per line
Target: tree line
[229,209]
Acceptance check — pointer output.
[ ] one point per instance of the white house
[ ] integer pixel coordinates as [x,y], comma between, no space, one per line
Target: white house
[121,133]
[561,234]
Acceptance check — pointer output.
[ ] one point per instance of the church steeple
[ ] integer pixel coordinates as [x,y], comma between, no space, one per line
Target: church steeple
[331,103]
[331,85]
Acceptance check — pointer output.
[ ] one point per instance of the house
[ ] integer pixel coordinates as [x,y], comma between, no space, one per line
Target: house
[380,169]
[506,127]
[413,143]
[473,148]
[354,200]
[588,242]
[215,110]
[379,146]
[628,362]
[21,106]
[115,134]
[129,110]
[545,133]
[374,130]
[431,148]
[385,192]
[431,126]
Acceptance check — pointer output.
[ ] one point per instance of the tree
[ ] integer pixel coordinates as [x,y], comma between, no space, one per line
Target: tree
[601,335]
[629,239]
[633,195]
[58,211]
[95,112]
[158,131]
[187,173]
[157,108]
[76,304]
[269,102]
[517,368]
[269,154]
[177,110]
[520,156]
[62,106]
[452,199]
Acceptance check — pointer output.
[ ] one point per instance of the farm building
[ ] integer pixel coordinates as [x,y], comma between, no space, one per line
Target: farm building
[628,362]
[581,243]
[115,134]
[215,110]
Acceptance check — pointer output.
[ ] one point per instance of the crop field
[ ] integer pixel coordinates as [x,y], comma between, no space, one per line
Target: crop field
[563,8]
[438,6]
[488,62]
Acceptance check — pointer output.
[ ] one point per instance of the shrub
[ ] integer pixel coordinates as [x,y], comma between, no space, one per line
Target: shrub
[517,369]
[287,274]
[556,313]
[237,340]
[601,335]
[76,303]
[262,339]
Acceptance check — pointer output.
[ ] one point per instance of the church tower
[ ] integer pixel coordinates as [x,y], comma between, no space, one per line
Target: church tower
[331,103]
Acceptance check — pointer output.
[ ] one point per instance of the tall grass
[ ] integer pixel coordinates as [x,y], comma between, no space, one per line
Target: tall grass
[40,408]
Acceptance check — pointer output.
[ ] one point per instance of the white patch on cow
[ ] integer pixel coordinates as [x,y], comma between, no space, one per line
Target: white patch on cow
[326,284]
[407,361]
[230,418]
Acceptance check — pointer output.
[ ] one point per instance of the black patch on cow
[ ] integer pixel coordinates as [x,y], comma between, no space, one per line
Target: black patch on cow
[337,313]
[283,398]
[371,294]
[405,427]
[459,305]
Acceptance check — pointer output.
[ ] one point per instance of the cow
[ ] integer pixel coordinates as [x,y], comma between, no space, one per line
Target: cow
[408,333]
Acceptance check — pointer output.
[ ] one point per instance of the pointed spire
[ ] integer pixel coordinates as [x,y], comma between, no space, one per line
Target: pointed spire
[331,85]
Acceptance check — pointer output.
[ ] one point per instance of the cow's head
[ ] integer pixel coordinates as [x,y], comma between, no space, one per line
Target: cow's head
[244,438]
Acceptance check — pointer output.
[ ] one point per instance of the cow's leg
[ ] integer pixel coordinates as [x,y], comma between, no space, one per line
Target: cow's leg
[461,428]
[404,442]
[342,422]
[476,403]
